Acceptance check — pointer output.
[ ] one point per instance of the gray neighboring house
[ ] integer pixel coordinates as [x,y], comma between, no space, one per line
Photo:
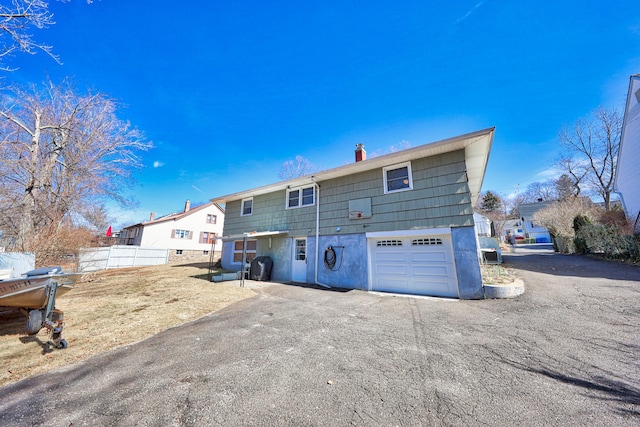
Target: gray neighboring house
[627,174]
[530,228]
[401,222]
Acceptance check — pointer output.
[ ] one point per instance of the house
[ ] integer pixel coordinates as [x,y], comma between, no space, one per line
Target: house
[511,226]
[530,228]
[627,174]
[401,222]
[189,235]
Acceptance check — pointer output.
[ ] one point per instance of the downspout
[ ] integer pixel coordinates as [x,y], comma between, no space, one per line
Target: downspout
[318,234]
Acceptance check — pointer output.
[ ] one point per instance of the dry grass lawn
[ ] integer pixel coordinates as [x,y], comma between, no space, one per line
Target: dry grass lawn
[496,275]
[113,308]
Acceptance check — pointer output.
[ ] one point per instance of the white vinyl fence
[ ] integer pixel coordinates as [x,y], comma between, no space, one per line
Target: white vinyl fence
[92,259]
[15,264]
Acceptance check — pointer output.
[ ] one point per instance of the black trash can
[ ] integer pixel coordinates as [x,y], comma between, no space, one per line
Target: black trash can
[260,269]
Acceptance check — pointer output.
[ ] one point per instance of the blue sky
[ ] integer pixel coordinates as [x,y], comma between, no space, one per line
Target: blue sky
[228,91]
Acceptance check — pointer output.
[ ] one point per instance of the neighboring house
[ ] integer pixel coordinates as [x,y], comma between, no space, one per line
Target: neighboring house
[511,226]
[189,235]
[627,172]
[530,228]
[401,222]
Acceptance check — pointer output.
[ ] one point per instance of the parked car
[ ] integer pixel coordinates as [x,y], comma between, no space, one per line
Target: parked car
[490,248]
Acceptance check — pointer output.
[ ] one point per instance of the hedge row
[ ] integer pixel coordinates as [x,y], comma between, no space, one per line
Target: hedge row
[603,240]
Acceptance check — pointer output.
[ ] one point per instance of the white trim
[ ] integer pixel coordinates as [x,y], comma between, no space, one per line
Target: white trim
[476,146]
[251,234]
[300,190]
[242,206]
[244,250]
[444,231]
[393,167]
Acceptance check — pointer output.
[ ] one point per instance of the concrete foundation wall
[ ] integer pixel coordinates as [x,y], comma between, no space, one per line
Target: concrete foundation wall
[465,252]
[350,270]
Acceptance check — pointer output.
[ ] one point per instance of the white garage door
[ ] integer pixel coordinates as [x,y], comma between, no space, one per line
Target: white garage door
[421,265]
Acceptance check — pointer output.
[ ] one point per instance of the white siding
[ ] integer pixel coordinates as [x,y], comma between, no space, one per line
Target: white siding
[628,173]
[159,234]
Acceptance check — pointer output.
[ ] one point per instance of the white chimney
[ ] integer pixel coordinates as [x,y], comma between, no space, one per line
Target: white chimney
[187,206]
[153,215]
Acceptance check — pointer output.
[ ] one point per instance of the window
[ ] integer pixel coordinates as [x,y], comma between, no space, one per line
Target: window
[247,207]
[181,234]
[211,219]
[238,247]
[426,242]
[178,251]
[299,197]
[389,243]
[207,237]
[205,252]
[397,178]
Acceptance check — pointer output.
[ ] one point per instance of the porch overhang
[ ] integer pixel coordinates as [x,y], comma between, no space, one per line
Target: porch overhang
[254,234]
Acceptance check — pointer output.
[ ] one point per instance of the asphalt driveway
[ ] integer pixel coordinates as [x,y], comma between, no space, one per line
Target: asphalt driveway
[567,352]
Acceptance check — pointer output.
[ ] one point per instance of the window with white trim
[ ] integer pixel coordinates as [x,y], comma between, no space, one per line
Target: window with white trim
[397,178]
[238,247]
[247,207]
[299,197]
[211,219]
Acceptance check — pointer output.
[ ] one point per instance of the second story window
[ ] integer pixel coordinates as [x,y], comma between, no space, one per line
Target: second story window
[397,178]
[206,237]
[299,197]
[247,207]
[211,219]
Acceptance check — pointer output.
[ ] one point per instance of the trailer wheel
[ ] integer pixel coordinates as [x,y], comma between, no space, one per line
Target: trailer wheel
[34,322]
[62,344]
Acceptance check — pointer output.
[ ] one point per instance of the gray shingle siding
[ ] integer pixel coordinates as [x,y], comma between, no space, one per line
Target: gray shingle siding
[440,198]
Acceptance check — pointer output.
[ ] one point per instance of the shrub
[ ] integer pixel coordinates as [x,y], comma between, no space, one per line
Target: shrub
[564,244]
[580,221]
[606,241]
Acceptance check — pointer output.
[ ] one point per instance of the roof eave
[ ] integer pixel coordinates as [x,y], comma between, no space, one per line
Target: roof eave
[476,145]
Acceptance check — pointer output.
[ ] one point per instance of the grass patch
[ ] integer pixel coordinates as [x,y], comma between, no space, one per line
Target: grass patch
[113,308]
[496,275]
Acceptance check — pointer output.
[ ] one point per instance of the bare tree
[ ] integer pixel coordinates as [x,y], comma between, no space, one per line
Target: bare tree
[537,191]
[296,168]
[591,150]
[558,217]
[16,20]
[63,154]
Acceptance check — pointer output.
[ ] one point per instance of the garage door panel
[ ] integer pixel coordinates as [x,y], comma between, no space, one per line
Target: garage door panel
[439,286]
[391,257]
[420,265]
[388,269]
[435,256]
[432,271]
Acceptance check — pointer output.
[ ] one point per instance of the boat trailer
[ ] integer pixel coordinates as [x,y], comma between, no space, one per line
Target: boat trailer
[49,317]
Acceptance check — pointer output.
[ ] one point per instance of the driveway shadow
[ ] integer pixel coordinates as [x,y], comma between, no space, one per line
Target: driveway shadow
[543,260]
[318,287]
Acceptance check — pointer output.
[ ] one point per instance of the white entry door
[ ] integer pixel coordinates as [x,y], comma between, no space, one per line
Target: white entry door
[299,264]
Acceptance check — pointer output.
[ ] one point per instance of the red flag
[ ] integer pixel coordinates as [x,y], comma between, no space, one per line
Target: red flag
[109,232]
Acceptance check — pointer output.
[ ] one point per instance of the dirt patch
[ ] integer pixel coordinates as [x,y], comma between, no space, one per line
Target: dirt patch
[496,275]
[113,308]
